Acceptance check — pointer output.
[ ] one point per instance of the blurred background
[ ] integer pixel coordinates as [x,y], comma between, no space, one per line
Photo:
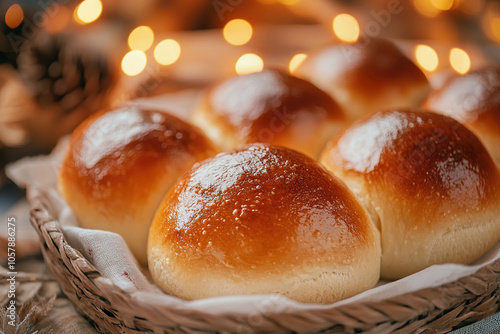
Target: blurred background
[61,60]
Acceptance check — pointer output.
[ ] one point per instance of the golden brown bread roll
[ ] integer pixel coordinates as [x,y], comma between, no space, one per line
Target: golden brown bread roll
[474,100]
[367,76]
[120,164]
[270,107]
[262,219]
[428,183]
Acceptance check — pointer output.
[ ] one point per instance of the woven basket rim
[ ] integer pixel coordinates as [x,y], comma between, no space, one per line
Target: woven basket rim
[440,309]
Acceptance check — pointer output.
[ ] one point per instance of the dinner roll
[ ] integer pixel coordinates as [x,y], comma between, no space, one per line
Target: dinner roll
[366,76]
[429,184]
[270,107]
[120,164]
[474,100]
[263,219]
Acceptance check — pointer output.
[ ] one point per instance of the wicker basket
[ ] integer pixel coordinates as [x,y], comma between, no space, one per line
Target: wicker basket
[432,310]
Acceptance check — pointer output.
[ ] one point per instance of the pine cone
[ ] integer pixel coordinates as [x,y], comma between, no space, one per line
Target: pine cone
[60,69]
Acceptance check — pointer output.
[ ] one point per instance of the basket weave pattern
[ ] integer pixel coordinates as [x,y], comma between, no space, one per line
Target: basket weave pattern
[431,310]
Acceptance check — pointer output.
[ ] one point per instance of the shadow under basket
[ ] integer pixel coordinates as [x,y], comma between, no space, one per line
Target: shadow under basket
[431,310]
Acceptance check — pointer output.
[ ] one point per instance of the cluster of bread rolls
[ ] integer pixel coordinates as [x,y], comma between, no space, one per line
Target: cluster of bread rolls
[398,190]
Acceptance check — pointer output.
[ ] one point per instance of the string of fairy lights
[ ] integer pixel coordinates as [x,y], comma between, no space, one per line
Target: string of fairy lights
[238,32]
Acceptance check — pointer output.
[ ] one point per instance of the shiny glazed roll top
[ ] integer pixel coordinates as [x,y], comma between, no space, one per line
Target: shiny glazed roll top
[120,164]
[367,76]
[428,183]
[263,219]
[269,107]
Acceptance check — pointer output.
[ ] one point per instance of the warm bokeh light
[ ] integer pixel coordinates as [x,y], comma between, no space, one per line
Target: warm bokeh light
[141,38]
[167,52]
[460,60]
[426,57]
[249,63]
[14,16]
[134,62]
[442,4]
[426,8]
[237,32]
[88,11]
[346,28]
[296,61]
